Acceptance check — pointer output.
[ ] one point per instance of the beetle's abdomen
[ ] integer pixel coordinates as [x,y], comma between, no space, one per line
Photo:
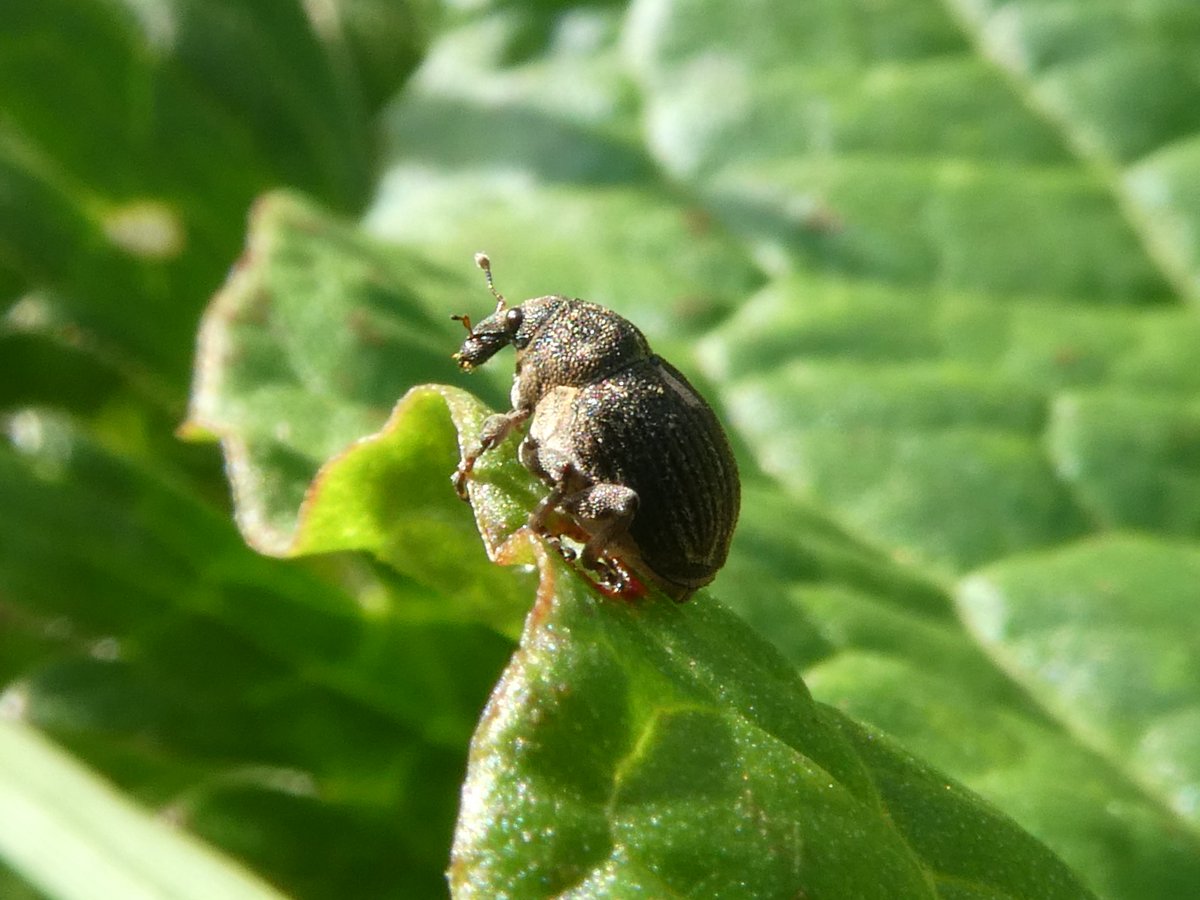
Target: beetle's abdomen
[647,428]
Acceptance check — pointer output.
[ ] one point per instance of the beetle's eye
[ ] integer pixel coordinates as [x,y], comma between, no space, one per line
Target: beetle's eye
[513,319]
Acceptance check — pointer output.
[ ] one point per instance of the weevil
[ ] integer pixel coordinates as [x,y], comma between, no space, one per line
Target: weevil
[637,464]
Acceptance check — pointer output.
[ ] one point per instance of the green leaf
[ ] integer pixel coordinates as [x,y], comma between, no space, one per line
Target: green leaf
[240,698]
[892,390]
[74,836]
[881,644]
[933,263]
[1134,460]
[351,503]
[131,208]
[497,153]
[1091,71]
[929,228]
[1105,636]
[862,441]
[888,412]
[378,496]
[304,351]
[297,385]
[650,747]
[972,205]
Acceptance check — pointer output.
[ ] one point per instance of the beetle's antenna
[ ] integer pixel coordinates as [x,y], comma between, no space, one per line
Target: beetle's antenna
[482,260]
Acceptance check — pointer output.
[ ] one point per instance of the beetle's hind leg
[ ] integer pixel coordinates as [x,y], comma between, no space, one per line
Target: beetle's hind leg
[603,512]
[606,512]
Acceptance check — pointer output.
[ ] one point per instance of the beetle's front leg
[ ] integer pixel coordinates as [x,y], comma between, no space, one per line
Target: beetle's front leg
[495,429]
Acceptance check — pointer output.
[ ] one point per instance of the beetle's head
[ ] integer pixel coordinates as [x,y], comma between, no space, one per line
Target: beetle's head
[506,325]
[491,335]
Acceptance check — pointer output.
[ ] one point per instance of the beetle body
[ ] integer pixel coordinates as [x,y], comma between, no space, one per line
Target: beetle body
[634,457]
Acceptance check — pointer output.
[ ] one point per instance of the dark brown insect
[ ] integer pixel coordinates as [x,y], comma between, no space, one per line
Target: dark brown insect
[637,463]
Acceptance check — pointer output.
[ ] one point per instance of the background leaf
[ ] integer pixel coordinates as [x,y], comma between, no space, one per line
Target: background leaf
[236,697]
[52,808]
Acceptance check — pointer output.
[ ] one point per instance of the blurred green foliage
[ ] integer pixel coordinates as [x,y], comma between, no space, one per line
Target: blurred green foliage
[937,265]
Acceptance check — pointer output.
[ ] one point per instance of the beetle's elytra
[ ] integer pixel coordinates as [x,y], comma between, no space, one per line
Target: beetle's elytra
[636,461]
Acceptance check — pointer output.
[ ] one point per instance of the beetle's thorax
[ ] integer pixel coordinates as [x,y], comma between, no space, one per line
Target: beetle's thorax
[574,344]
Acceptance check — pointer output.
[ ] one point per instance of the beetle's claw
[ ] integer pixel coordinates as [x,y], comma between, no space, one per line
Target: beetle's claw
[611,576]
[459,480]
[555,541]
[616,580]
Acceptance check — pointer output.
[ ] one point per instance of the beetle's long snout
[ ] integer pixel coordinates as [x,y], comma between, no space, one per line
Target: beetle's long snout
[482,343]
